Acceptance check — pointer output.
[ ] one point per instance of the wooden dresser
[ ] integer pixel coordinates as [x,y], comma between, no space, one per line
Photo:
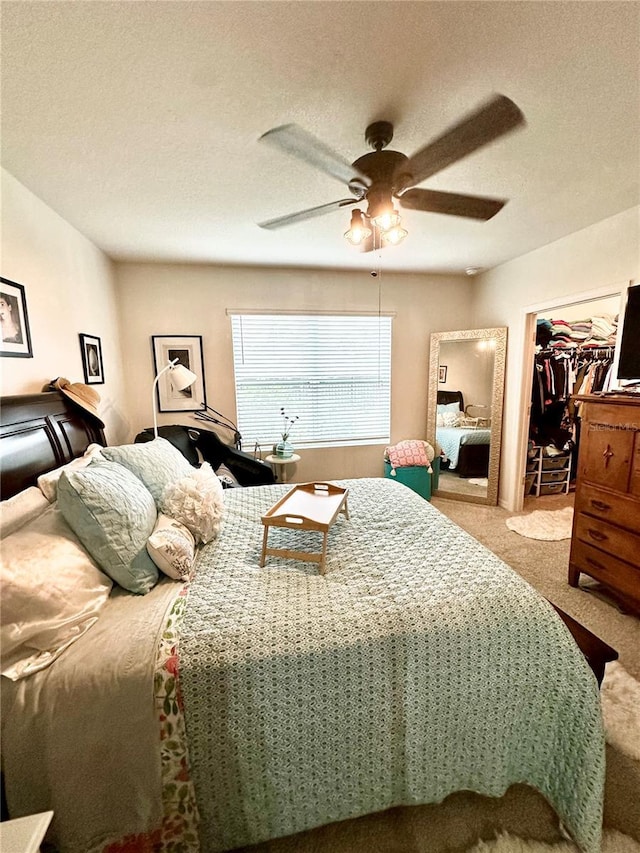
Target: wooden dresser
[605,542]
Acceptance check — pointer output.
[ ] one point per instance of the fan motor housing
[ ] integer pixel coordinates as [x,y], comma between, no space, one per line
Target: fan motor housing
[380,167]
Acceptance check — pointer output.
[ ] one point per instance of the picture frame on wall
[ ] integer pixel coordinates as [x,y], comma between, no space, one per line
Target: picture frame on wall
[92,364]
[15,334]
[442,373]
[188,350]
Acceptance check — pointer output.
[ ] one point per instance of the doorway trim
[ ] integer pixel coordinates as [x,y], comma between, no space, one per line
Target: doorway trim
[528,323]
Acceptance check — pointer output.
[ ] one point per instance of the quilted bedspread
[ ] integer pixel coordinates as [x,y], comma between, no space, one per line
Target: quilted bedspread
[418,665]
[451,439]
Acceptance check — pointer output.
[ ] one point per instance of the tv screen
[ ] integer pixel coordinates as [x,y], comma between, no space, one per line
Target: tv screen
[629,363]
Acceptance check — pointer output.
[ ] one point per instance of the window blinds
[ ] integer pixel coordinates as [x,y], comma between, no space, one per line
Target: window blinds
[333,371]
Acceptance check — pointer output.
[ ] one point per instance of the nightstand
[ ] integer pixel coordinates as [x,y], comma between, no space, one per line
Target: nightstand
[277,462]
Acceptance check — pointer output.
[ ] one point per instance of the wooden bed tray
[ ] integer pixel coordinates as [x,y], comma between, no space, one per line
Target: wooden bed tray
[307,506]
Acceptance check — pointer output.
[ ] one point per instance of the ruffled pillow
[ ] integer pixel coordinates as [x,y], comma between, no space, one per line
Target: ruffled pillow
[197,502]
[172,548]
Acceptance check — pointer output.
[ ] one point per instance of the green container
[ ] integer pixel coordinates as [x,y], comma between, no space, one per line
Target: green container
[416,477]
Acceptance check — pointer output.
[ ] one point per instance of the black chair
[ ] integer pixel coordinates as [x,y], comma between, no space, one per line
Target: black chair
[189,440]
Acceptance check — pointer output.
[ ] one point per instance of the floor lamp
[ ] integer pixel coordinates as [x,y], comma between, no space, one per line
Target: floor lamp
[181,377]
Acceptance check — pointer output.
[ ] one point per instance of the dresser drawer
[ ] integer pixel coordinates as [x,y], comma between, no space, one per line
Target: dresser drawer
[606,568]
[607,537]
[609,506]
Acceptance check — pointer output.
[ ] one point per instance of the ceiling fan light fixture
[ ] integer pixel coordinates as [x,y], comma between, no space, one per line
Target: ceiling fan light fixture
[387,219]
[359,230]
[395,235]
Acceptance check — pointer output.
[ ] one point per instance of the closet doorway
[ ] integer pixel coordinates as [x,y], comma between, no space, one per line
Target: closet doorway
[571,350]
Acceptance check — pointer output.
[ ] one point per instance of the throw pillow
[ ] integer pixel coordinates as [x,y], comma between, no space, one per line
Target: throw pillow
[197,502]
[172,548]
[156,463]
[451,419]
[113,515]
[48,483]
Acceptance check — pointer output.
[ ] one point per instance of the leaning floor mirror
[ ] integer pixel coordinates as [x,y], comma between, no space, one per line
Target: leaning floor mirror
[466,391]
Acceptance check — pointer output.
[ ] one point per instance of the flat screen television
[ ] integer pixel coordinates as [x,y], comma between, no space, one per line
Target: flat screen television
[629,354]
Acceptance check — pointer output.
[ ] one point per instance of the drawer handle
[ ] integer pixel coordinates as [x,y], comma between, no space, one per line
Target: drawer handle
[595,534]
[601,505]
[596,564]
[607,454]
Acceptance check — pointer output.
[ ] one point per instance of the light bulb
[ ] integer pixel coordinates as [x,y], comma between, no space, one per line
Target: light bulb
[386,220]
[359,230]
[394,235]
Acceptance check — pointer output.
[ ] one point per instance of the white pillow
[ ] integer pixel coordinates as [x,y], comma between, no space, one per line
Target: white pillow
[172,548]
[20,509]
[48,483]
[442,408]
[52,592]
[451,419]
[197,502]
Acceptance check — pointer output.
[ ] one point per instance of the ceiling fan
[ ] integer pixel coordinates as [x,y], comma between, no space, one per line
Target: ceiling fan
[376,178]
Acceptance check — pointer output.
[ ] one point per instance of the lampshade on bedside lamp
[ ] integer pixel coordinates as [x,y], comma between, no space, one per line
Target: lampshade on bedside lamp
[181,377]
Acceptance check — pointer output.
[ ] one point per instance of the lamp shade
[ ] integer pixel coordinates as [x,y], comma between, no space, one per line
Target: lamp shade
[181,377]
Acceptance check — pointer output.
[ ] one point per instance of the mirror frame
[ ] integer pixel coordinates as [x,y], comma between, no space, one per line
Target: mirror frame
[499,334]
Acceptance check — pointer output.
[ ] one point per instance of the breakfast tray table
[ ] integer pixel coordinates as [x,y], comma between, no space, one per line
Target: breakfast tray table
[307,506]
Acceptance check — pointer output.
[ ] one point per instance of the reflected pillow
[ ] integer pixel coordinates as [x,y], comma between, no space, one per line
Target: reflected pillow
[451,419]
[113,515]
[172,548]
[197,502]
[157,463]
[52,592]
[443,408]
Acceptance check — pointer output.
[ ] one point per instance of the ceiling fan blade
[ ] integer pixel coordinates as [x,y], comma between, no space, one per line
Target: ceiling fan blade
[497,117]
[471,206]
[292,139]
[310,213]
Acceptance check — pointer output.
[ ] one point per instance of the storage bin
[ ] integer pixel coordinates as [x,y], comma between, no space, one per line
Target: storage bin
[554,476]
[553,488]
[549,463]
[416,477]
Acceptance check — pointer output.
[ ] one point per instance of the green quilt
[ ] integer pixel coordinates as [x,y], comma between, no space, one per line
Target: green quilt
[418,665]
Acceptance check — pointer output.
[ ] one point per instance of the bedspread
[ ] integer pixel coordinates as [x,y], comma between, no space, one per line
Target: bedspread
[418,665]
[450,440]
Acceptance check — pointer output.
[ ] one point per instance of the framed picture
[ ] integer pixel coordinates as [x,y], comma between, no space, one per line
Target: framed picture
[92,365]
[188,350]
[14,321]
[442,373]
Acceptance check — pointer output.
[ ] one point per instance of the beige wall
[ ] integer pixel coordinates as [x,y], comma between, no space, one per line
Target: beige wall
[603,257]
[69,286]
[162,299]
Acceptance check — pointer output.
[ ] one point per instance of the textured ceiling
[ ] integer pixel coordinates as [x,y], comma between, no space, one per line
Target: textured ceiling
[138,121]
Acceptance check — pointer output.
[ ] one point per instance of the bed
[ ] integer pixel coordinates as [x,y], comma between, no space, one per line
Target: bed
[253,703]
[466,450]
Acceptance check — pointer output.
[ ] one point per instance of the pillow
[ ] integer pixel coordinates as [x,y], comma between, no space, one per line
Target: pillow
[451,419]
[157,463]
[113,515]
[441,408]
[227,478]
[48,483]
[172,548]
[52,592]
[197,502]
[20,509]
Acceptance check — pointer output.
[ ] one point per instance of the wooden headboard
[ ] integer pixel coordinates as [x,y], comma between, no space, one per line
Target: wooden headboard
[39,432]
[451,397]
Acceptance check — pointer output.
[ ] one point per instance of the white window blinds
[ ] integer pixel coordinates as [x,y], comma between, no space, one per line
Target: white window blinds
[332,371]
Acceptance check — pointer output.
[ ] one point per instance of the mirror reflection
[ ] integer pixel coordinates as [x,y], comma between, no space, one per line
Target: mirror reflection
[465,411]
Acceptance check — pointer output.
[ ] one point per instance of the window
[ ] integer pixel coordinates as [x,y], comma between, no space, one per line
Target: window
[333,371]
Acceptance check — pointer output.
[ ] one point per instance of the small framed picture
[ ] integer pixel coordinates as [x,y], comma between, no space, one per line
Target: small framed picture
[14,321]
[188,350]
[91,350]
[442,373]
